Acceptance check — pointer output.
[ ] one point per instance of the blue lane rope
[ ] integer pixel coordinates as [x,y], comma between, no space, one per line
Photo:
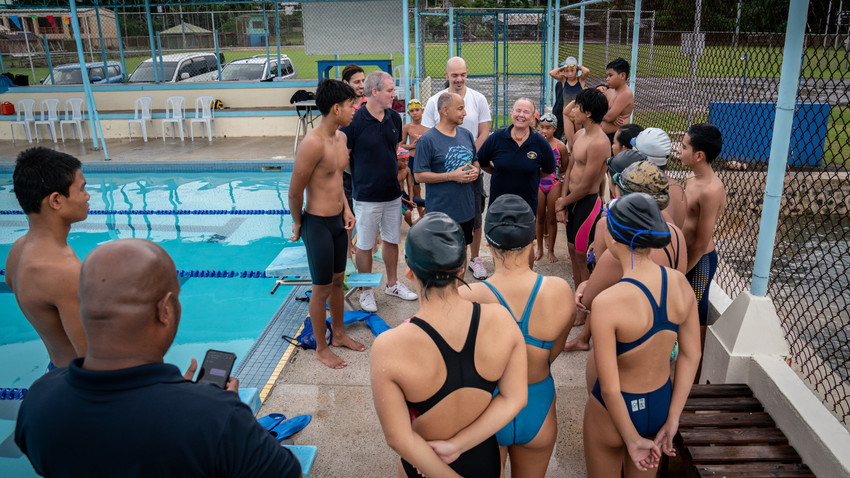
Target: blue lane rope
[167,212]
[213,274]
[12,393]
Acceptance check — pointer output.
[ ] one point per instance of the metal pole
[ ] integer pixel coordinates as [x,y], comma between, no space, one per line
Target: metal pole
[120,46]
[581,37]
[550,22]
[556,49]
[2,66]
[607,33]
[418,47]
[27,41]
[544,60]
[405,75]
[217,53]
[49,64]
[88,35]
[694,57]
[159,50]
[635,46]
[94,119]
[737,24]
[150,39]
[651,39]
[451,32]
[100,35]
[785,103]
[277,33]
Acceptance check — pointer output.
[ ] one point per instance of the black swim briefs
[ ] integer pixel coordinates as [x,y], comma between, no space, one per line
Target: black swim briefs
[325,240]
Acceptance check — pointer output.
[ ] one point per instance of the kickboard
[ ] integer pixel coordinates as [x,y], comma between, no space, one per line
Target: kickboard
[306,456]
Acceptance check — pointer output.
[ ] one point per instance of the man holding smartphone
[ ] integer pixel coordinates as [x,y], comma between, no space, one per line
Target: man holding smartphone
[141,416]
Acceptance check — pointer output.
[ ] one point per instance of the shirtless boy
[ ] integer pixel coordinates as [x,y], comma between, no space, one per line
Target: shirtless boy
[405,182]
[410,134]
[621,100]
[319,162]
[579,205]
[706,200]
[42,269]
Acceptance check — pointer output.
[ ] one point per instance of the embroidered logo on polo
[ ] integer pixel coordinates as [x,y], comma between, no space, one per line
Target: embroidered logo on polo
[458,157]
[531,155]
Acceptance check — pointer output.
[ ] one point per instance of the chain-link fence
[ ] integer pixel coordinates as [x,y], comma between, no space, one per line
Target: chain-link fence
[720,62]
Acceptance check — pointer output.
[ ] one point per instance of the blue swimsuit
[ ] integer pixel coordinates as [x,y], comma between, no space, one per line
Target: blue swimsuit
[525,426]
[648,411]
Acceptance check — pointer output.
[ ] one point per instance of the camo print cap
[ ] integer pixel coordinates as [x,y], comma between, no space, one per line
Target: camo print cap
[549,118]
[645,177]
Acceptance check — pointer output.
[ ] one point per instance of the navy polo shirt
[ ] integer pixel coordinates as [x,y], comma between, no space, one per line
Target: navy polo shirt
[140,422]
[516,168]
[374,164]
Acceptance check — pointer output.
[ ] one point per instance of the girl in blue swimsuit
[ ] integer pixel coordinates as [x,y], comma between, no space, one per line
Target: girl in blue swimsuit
[433,376]
[634,408]
[544,313]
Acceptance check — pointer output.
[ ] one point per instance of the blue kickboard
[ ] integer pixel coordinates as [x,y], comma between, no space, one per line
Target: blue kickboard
[306,456]
[251,397]
[291,261]
[365,279]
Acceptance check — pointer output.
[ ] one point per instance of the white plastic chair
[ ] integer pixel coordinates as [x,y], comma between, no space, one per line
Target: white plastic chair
[73,117]
[398,78]
[141,115]
[174,113]
[26,118]
[204,114]
[49,117]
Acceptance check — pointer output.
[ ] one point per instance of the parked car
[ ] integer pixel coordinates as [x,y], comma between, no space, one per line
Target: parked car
[256,68]
[175,67]
[71,74]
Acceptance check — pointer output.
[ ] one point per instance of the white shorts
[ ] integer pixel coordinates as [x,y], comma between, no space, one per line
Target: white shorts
[372,215]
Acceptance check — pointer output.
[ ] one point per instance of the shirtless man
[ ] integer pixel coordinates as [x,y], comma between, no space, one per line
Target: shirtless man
[621,100]
[706,200]
[42,269]
[579,205]
[319,162]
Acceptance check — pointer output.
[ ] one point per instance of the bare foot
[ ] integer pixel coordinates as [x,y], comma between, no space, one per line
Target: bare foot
[552,258]
[346,341]
[538,254]
[330,359]
[576,344]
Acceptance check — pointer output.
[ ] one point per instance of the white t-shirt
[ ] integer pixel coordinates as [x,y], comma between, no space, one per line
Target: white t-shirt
[475,104]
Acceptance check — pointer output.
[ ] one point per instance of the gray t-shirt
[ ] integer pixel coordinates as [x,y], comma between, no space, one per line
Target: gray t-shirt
[438,153]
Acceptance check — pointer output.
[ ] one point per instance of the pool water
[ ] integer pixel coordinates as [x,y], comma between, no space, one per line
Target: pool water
[187,214]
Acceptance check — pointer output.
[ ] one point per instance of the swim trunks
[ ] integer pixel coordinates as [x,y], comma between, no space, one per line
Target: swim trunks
[325,241]
[700,278]
[648,411]
[554,179]
[581,220]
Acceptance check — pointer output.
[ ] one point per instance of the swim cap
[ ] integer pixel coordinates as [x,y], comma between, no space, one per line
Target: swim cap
[403,153]
[435,248]
[635,220]
[570,61]
[616,164]
[510,224]
[549,118]
[655,144]
[413,104]
[645,177]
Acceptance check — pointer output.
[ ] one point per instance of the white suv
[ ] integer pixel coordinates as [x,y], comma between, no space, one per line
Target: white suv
[256,68]
[175,67]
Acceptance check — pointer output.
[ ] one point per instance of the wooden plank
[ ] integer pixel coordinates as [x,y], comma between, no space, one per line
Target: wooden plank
[737,454]
[730,404]
[731,436]
[725,420]
[702,390]
[753,470]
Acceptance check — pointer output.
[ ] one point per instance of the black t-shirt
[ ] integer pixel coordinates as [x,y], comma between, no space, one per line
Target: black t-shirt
[141,422]
[374,164]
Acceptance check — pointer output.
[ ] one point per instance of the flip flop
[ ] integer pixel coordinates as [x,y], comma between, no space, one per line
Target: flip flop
[271,420]
[287,428]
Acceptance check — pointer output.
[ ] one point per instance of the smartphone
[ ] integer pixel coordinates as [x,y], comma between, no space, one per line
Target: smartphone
[216,368]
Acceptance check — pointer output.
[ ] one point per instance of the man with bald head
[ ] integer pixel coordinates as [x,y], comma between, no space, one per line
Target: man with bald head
[445,161]
[140,416]
[477,122]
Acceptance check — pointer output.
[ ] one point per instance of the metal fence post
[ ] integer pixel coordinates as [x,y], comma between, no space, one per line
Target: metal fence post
[277,33]
[49,63]
[94,119]
[556,49]
[792,58]
[150,39]
[417,47]
[100,34]
[120,46]
[581,36]
[451,32]
[694,55]
[405,75]
[635,46]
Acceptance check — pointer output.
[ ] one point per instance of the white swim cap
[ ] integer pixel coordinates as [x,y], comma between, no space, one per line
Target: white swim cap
[655,144]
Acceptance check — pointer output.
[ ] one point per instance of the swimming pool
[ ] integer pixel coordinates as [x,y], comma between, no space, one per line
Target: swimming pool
[221,228]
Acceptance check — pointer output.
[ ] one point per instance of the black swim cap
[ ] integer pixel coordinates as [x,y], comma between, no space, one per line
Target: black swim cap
[636,221]
[616,164]
[510,224]
[435,248]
